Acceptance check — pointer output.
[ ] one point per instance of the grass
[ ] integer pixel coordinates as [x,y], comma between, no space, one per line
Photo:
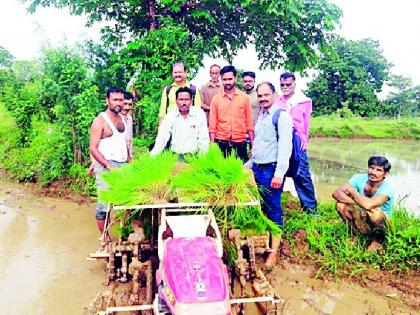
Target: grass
[333,252]
[330,126]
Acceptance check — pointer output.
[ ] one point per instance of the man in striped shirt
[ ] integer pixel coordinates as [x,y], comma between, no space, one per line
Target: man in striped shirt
[185,127]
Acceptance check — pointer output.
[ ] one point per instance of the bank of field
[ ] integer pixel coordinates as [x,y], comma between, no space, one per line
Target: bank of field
[364,128]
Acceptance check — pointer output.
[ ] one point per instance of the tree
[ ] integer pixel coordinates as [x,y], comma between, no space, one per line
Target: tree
[6,58]
[148,36]
[405,98]
[351,75]
[70,98]
[284,32]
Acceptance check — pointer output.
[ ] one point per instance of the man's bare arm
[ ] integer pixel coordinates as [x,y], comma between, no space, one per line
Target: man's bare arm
[341,196]
[95,138]
[367,203]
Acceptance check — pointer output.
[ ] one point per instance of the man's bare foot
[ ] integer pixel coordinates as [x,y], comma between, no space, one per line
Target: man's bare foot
[374,246]
[271,260]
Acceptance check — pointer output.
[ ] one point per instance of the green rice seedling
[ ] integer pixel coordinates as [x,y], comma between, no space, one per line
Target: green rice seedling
[224,184]
[214,179]
[251,221]
[144,181]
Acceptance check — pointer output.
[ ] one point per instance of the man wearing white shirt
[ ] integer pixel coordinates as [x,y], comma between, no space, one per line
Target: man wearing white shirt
[185,127]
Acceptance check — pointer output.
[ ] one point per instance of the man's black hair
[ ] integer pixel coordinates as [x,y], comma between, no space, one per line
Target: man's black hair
[128,96]
[179,64]
[380,161]
[248,74]
[113,90]
[227,69]
[269,84]
[286,75]
[183,89]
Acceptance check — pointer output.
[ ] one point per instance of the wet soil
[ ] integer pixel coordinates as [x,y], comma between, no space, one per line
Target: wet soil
[44,242]
[43,247]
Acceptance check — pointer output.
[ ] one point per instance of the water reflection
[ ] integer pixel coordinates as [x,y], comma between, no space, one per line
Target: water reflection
[333,162]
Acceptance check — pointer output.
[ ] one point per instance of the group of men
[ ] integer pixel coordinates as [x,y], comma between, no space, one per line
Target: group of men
[256,118]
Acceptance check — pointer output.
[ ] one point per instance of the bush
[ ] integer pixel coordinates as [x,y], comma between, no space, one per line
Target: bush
[79,181]
[42,159]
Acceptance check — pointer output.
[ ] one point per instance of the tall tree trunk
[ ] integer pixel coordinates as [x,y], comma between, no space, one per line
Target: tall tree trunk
[152,14]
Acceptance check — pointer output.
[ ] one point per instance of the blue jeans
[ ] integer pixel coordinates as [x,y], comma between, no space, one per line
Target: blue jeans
[101,208]
[304,186]
[270,197]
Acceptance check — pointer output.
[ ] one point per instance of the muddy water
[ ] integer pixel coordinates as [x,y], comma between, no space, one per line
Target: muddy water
[43,248]
[43,266]
[304,295]
[334,161]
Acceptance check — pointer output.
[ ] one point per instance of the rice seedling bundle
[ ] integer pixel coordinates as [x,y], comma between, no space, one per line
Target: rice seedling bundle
[144,181]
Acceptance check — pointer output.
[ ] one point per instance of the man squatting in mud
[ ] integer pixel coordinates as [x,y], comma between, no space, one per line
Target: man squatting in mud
[365,203]
[108,144]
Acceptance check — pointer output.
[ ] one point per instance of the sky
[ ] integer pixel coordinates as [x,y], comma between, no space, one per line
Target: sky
[394,23]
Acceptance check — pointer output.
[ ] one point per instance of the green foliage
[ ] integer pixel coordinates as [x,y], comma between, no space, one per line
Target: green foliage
[334,252]
[70,97]
[287,33]
[149,59]
[404,100]
[144,181]
[352,74]
[79,182]
[9,134]
[41,160]
[365,128]
[6,58]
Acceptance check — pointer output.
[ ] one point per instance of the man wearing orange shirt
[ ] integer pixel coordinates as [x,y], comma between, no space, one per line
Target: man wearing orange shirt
[231,117]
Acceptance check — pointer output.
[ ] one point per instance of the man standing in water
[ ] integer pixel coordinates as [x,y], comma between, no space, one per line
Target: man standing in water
[270,158]
[365,203]
[108,144]
[300,108]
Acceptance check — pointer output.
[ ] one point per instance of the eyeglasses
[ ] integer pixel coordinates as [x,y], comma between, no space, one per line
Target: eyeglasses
[286,84]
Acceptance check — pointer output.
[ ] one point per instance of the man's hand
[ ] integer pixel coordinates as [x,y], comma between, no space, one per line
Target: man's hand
[111,167]
[247,169]
[276,182]
[347,189]
[90,170]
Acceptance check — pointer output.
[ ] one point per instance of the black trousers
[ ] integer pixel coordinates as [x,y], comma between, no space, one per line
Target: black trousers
[239,148]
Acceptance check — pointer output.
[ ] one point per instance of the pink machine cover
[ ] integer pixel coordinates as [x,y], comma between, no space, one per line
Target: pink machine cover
[194,271]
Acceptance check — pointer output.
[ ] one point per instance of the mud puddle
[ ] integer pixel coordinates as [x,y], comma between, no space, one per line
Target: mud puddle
[43,268]
[43,247]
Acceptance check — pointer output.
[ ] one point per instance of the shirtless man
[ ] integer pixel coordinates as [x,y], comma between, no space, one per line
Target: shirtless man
[108,144]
